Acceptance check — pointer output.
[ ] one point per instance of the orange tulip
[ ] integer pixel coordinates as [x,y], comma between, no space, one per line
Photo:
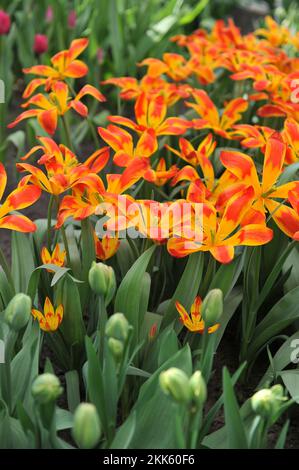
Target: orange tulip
[64,65]
[194,321]
[210,118]
[51,318]
[58,103]
[57,257]
[24,196]
[151,114]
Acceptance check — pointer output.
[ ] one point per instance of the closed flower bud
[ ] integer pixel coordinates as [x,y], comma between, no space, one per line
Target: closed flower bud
[18,311]
[174,382]
[46,388]
[102,281]
[212,307]
[72,19]
[117,327]
[198,388]
[266,402]
[87,427]
[4,23]
[116,347]
[40,44]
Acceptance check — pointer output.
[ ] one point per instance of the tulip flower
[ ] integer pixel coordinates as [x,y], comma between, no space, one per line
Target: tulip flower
[24,196]
[64,65]
[210,117]
[4,23]
[122,144]
[57,257]
[63,170]
[107,247]
[266,192]
[160,175]
[151,114]
[58,102]
[220,236]
[51,318]
[72,19]
[40,44]
[194,321]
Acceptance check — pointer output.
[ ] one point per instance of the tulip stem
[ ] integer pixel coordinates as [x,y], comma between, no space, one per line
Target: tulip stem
[6,269]
[67,133]
[50,206]
[64,237]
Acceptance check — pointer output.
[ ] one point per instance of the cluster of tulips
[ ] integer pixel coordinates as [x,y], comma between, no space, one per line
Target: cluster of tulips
[214,129]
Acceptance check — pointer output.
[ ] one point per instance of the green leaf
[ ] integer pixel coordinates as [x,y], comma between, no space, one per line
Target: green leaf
[130,297]
[22,261]
[280,360]
[283,314]
[187,288]
[157,426]
[291,380]
[233,421]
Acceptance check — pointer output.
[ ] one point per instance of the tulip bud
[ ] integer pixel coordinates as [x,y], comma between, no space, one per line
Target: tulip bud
[40,44]
[174,382]
[46,388]
[49,14]
[262,403]
[212,307]
[72,18]
[116,347]
[102,281]
[198,388]
[18,311]
[4,23]
[117,327]
[87,427]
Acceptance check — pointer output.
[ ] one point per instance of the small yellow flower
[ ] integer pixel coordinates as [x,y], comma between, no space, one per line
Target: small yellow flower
[194,322]
[50,319]
[57,257]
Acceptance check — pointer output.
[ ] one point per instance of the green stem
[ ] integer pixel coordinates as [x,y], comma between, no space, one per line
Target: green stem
[6,269]
[64,237]
[50,207]
[67,132]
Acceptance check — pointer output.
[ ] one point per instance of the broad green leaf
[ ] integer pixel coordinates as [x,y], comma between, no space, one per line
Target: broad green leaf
[283,314]
[187,288]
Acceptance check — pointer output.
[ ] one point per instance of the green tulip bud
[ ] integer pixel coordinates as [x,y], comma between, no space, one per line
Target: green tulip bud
[102,280]
[87,427]
[278,391]
[212,307]
[264,403]
[18,311]
[198,388]
[174,382]
[116,347]
[117,327]
[46,388]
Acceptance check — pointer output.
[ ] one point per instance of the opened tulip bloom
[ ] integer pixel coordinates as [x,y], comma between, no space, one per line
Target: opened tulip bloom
[222,234]
[51,318]
[267,192]
[210,116]
[123,145]
[57,257]
[64,65]
[57,103]
[194,321]
[24,196]
[107,247]
[151,114]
